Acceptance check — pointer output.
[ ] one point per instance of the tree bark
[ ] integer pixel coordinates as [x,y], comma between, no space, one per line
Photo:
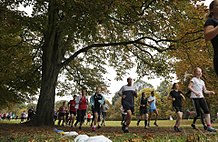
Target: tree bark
[51,59]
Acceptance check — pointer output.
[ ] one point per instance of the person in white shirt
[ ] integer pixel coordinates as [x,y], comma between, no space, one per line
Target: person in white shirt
[197,88]
[128,93]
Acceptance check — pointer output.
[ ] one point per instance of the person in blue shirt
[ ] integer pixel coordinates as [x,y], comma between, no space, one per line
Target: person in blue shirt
[152,108]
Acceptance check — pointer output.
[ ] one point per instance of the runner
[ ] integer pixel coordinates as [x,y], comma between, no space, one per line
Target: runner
[96,100]
[197,88]
[89,118]
[211,31]
[143,110]
[61,113]
[152,108]
[83,105]
[176,96]
[128,93]
[104,109]
[72,105]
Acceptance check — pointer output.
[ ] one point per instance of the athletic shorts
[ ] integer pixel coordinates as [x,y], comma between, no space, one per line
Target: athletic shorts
[177,109]
[73,112]
[60,114]
[152,110]
[143,110]
[96,109]
[128,107]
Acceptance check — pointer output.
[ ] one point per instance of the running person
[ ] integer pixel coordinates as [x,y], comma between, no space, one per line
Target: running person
[152,108]
[96,100]
[83,105]
[176,96]
[128,93]
[143,109]
[104,109]
[197,88]
[61,113]
[72,106]
[211,31]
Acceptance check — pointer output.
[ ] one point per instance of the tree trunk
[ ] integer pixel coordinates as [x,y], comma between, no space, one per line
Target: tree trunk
[51,59]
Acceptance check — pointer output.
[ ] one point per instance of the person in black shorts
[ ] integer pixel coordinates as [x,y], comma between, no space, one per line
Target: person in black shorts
[177,96]
[198,89]
[211,31]
[143,109]
[96,100]
[128,93]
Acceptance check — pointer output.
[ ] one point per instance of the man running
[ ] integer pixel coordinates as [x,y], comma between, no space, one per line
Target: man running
[128,93]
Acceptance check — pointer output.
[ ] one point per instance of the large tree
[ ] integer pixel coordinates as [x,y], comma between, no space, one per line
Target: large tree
[79,38]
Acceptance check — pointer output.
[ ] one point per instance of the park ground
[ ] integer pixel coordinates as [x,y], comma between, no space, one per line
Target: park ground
[13,131]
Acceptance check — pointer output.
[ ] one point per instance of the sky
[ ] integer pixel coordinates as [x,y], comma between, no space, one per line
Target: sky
[116,85]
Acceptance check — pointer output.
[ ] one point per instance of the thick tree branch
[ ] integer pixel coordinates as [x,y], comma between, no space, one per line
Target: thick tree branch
[85,49]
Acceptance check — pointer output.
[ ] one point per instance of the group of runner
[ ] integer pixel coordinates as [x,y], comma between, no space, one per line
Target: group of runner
[196,86]
[78,107]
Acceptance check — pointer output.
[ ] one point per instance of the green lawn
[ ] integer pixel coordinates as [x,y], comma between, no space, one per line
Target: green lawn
[11,132]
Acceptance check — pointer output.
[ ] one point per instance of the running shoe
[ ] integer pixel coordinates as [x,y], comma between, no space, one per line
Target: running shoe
[123,126]
[155,124]
[138,123]
[93,128]
[211,129]
[175,128]
[126,130]
[205,127]
[193,126]
[178,130]
[148,125]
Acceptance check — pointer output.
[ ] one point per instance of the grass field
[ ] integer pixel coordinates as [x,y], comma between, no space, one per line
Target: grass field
[12,131]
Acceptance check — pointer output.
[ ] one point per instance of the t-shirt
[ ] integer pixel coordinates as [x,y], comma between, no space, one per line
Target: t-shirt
[178,98]
[144,101]
[153,103]
[72,104]
[129,92]
[214,41]
[198,86]
[83,103]
[62,109]
[97,100]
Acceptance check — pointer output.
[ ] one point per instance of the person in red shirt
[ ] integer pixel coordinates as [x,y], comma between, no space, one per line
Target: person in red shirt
[83,105]
[72,104]
[89,117]
[61,113]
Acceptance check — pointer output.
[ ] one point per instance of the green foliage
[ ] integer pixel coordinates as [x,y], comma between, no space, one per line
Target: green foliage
[19,77]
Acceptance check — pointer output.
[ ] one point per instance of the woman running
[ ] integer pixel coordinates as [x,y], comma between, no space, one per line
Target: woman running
[177,96]
[143,110]
[197,88]
[211,31]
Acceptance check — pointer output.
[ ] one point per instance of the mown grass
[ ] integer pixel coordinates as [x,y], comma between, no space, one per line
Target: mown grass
[141,136]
